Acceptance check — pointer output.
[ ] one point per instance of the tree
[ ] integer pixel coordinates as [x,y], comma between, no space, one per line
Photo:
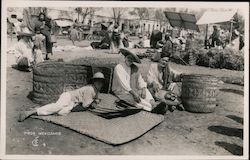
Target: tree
[239,22]
[84,12]
[142,13]
[170,9]
[160,16]
[88,11]
[78,11]
[64,14]
[117,14]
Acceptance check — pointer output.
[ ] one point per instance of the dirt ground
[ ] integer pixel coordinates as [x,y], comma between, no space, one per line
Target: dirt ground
[181,133]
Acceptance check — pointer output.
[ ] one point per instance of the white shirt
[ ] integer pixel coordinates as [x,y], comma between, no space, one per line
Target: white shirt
[154,75]
[146,43]
[121,79]
[84,95]
[23,50]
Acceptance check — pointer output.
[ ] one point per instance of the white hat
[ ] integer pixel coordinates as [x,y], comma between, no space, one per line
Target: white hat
[98,75]
[25,32]
[236,32]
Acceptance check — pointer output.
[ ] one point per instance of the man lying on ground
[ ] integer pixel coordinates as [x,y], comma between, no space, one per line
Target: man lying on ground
[87,96]
[155,79]
[129,86]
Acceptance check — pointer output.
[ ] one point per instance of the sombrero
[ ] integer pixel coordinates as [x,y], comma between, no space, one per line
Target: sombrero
[126,52]
[25,34]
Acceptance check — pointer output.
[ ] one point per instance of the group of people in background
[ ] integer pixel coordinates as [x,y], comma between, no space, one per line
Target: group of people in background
[38,32]
[113,39]
[35,41]
[221,38]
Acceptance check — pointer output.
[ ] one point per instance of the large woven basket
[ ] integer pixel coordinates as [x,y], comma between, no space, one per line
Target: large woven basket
[50,79]
[199,93]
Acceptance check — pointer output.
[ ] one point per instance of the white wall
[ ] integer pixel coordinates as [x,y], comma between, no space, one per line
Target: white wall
[149,26]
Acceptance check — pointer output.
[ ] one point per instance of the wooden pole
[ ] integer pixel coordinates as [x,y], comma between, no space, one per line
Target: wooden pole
[231,32]
[206,36]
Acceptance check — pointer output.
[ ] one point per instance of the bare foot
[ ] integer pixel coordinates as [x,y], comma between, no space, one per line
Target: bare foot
[24,115]
[180,107]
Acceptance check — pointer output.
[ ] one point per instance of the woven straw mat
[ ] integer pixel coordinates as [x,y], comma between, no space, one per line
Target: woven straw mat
[114,131]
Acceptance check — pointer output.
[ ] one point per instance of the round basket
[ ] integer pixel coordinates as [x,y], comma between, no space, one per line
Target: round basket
[199,93]
[50,79]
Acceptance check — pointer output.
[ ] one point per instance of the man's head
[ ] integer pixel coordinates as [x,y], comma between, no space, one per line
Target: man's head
[190,35]
[129,60]
[41,16]
[98,80]
[163,62]
[215,27]
[116,26]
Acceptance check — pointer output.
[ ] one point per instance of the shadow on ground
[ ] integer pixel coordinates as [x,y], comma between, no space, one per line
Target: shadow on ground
[232,148]
[228,131]
[236,132]
[235,118]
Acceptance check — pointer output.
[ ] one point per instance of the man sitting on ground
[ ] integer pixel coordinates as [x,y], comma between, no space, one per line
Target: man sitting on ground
[23,51]
[87,96]
[155,79]
[144,42]
[129,86]
[104,44]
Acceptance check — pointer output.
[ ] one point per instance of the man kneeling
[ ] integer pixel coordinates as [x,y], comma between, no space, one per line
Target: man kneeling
[87,96]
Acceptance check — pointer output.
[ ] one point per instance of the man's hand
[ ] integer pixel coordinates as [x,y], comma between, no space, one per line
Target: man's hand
[135,96]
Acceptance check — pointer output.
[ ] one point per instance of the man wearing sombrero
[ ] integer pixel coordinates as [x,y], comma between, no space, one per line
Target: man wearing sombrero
[23,50]
[87,96]
[129,86]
